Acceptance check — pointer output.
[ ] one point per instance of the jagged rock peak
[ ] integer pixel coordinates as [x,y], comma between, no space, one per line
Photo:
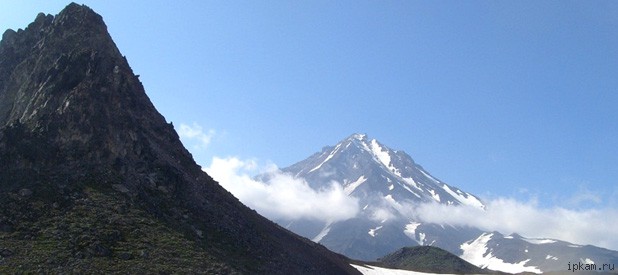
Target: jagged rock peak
[81,143]
[72,16]
[54,60]
[64,83]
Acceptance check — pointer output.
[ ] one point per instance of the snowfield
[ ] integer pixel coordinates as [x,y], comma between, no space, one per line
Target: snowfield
[374,270]
[475,252]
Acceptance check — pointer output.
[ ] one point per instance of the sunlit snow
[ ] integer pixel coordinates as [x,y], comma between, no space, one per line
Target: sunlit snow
[322,233]
[435,195]
[411,182]
[381,154]
[348,189]
[465,199]
[539,241]
[372,232]
[327,158]
[410,190]
[374,270]
[551,257]
[429,176]
[476,253]
[421,238]
[410,230]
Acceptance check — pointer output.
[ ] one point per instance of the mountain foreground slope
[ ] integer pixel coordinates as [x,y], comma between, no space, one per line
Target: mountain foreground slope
[429,259]
[390,188]
[94,179]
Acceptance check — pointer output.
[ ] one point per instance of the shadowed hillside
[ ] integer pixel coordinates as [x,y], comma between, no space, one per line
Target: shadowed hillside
[94,179]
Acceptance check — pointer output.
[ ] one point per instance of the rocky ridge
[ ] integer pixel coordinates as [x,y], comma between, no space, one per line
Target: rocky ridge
[94,178]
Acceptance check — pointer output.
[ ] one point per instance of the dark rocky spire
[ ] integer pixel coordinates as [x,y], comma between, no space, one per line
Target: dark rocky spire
[89,164]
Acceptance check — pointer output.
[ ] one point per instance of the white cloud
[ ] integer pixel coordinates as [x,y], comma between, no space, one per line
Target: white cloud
[506,215]
[381,214]
[196,133]
[284,196]
[584,197]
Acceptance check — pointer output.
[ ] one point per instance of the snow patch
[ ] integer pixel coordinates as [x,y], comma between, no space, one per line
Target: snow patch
[359,136]
[348,189]
[374,270]
[372,232]
[421,238]
[327,158]
[411,182]
[476,253]
[435,195]
[464,198]
[551,257]
[381,154]
[429,176]
[322,233]
[538,241]
[410,190]
[410,230]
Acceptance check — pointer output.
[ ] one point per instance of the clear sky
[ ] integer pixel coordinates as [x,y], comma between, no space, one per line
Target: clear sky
[499,98]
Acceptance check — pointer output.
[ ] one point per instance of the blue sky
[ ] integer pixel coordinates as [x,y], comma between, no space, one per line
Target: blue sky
[500,98]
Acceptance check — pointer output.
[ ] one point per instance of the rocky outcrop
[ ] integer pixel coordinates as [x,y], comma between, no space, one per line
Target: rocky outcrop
[93,177]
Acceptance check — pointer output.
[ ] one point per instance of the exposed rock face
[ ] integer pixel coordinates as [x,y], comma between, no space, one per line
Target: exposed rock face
[108,184]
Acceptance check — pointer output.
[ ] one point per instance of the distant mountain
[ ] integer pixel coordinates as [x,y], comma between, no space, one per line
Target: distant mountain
[94,179]
[382,179]
[429,259]
[514,252]
[365,167]
[386,183]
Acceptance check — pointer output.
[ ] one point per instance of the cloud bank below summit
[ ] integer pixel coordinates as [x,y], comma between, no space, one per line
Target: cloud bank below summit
[283,197]
[286,197]
[508,215]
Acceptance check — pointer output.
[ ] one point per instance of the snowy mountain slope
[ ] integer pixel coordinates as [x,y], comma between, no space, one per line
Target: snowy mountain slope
[385,182]
[389,185]
[514,253]
[374,270]
[364,166]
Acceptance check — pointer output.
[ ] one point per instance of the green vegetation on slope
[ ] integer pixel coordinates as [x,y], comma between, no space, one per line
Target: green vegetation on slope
[429,259]
[95,231]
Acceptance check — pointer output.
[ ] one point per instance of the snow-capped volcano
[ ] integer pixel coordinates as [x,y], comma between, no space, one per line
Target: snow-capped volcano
[366,167]
[387,184]
[390,187]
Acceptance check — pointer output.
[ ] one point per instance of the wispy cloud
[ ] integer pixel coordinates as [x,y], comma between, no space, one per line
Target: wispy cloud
[585,197]
[287,197]
[195,134]
[284,196]
[594,226]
